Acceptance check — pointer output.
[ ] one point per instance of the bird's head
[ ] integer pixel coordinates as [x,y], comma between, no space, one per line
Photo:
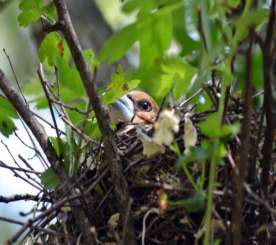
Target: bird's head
[136,107]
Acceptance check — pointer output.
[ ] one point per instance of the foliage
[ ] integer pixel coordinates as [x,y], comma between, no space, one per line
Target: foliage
[183,47]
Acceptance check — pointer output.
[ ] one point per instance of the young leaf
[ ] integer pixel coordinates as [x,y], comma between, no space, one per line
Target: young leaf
[31,10]
[118,87]
[52,48]
[49,179]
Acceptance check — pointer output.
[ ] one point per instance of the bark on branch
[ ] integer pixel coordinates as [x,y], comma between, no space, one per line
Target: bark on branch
[35,126]
[242,159]
[266,162]
[101,114]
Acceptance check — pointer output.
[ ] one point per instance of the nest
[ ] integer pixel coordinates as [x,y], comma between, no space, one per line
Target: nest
[156,186]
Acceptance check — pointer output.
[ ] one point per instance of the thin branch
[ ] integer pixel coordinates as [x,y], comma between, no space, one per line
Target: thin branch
[119,181]
[266,161]
[31,121]
[24,197]
[15,76]
[242,159]
[3,165]
[43,84]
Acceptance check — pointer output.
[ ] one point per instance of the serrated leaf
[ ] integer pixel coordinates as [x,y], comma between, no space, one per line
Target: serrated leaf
[52,48]
[31,10]
[118,87]
[49,179]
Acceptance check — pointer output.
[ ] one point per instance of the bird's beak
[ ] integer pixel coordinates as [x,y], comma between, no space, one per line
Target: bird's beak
[122,110]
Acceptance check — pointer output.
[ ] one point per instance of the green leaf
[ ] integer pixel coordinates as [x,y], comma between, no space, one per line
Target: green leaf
[143,5]
[116,47]
[6,108]
[7,112]
[52,48]
[206,25]
[191,18]
[7,126]
[118,87]
[193,204]
[49,12]
[197,154]
[49,179]
[177,74]
[69,79]
[211,126]
[233,3]
[90,58]
[250,19]
[180,32]
[257,76]
[156,39]
[230,129]
[41,102]
[33,85]
[153,31]
[57,147]
[31,10]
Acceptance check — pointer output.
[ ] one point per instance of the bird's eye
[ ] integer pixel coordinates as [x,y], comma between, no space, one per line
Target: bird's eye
[144,105]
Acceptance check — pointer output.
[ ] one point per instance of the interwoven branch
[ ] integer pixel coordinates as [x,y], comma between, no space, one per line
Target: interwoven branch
[101,114]
[35,126]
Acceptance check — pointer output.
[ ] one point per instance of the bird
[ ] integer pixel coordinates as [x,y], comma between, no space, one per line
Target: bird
[136,108]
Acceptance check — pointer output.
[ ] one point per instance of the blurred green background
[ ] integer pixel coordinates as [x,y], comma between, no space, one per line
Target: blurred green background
[19,45]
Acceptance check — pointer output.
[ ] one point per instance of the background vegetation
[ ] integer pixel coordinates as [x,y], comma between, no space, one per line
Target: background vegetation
[214,58]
